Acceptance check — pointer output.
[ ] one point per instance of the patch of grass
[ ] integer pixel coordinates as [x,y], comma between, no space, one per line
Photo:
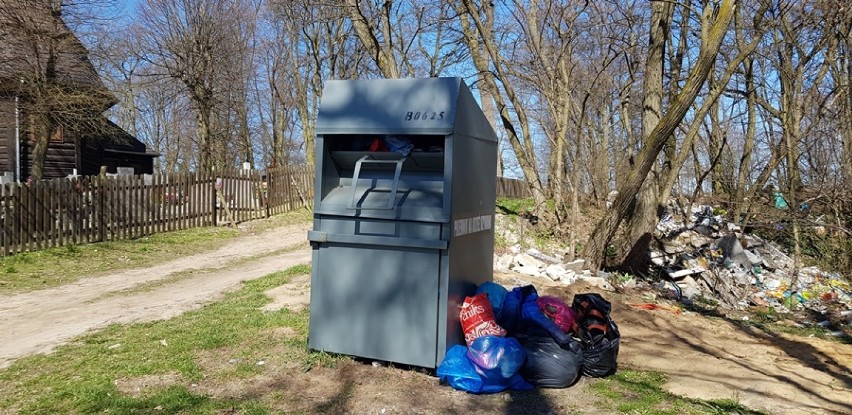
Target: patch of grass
[706,301]
[230,339]
[515,207]
[295,270]
[771,326]
[636,392]
[285,219]
[62,265]
[500,241]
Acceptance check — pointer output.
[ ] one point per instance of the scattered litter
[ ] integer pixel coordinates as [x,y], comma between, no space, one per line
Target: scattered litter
[652,306]
[115,346]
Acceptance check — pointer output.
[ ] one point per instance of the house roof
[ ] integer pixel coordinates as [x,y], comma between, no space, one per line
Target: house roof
[28,32]
[115,139]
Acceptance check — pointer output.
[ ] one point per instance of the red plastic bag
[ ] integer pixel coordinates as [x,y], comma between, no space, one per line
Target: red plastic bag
[477,319]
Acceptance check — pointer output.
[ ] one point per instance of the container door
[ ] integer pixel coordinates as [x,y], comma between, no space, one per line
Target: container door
[377,302]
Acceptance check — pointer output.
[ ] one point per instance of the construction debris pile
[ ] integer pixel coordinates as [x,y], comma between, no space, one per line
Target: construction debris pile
[712,260]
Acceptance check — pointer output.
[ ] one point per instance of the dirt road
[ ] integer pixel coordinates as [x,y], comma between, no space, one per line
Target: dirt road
[707,358]
[38,321]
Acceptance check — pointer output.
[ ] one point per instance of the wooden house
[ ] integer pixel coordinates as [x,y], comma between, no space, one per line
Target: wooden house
[44,67]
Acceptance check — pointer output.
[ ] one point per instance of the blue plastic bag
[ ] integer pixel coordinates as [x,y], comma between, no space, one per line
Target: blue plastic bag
[494,356]
[401,145]
[496,295]
[459,371]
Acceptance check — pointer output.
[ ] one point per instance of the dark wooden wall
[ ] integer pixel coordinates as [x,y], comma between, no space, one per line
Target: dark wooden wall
[7,135]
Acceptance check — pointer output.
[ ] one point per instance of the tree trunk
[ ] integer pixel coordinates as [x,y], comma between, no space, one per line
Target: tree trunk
[43,128]
[748,145]
[712,36]
[381,52]
[714,145]
[846,88]
[644,216]
[521,142]
[205,159]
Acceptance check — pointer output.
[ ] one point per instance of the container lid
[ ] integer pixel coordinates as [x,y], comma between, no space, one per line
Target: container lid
[428,106]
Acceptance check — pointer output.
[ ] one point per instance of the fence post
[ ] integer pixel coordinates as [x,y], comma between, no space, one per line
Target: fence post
[265,192]
[102,205]
[214,198]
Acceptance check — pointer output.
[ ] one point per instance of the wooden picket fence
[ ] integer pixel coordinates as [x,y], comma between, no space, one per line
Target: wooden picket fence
[89,209]
[512,188]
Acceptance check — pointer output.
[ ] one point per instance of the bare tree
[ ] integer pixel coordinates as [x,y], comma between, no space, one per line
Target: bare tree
[406,38]
[495,69]
[44,64]
[185,39]
[714,25]
[313,42]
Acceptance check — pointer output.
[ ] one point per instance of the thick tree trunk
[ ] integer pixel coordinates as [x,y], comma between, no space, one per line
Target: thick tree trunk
[712,36]
[381,52]
[715,143]
[43,128]
[205,156]
[644,215]
[846,77]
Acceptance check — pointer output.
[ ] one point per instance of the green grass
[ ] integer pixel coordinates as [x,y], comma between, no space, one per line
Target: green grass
[635,392]
[56,266]
[221,341]
[224,343]
[515,206]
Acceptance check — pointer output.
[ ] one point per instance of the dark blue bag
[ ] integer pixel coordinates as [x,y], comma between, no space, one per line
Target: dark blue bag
[521,315]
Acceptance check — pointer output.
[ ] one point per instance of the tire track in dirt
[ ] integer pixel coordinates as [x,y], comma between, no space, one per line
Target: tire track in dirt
[38,321]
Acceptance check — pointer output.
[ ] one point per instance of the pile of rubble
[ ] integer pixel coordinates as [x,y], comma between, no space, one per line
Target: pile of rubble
[534,263]
[711,258]
[708,259]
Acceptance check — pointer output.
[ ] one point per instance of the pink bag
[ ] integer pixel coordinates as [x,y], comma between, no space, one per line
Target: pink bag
[556,309]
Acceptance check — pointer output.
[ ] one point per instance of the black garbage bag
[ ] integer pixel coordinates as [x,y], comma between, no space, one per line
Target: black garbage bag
[548,364]
[598,334]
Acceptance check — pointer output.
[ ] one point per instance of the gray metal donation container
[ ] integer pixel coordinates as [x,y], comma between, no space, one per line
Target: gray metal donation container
[403,217]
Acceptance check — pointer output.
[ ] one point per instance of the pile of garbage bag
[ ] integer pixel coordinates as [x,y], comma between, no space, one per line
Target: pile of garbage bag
[519,340]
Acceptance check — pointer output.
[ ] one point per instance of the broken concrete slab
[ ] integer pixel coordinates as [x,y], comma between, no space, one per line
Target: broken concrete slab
[503,262]
[599,282]
[576,265]
[555,272]
[528,260]
[535,253]
[684,272]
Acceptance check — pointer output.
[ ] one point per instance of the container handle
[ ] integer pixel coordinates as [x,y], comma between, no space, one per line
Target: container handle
[394,186]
